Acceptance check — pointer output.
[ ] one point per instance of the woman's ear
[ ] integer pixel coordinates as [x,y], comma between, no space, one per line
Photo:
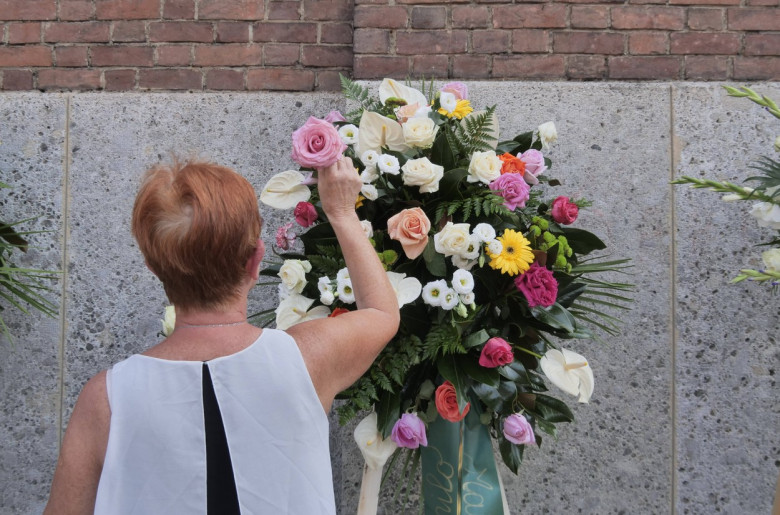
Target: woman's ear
[253,263]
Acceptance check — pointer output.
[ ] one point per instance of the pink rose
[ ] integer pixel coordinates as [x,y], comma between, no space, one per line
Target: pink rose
[564,211]
[460,90]
[335,116]
[305,214]
[317,144]
[518,430]
[409,432]
[285,236]
[538,285]
[495,353]
[534,162]
[410,227]
[513,188]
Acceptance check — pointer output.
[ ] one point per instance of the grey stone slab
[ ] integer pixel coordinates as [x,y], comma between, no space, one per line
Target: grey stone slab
[727,354]
[32,147]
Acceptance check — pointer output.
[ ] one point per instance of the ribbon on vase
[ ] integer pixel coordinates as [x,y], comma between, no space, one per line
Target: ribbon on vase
[376,451]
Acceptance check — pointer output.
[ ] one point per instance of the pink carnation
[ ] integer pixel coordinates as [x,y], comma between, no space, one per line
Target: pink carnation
[335,116]
[518,430]
[285,236]
[513,188]
[305,214]
[460,90]
[495,353]
[317,144]
[538,285]
[409,432]
[564,211]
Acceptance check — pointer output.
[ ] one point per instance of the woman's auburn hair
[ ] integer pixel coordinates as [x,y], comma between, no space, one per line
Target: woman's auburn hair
[197,224]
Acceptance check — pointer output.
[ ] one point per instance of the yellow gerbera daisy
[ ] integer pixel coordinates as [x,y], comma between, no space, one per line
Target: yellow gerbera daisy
[515,257]
[462,108]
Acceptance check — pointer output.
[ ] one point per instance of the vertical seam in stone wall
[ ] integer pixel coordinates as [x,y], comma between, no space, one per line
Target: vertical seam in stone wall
[673,303]
[65,262]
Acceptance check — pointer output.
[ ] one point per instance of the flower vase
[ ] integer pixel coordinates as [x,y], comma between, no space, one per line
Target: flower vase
[459,473]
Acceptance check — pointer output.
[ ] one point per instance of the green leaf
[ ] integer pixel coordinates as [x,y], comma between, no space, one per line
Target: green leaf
[448,186]
[511,454]
[450,371]
[434,261]
[387,412]
[524,141]
[477,372]
[581,241]
[556,316]
[475,339]
[441,151]
[552,409]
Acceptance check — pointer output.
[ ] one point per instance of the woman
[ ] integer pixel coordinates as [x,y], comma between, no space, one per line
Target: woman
[222,417]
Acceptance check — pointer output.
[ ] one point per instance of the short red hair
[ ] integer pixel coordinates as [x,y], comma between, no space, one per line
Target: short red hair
[197,224]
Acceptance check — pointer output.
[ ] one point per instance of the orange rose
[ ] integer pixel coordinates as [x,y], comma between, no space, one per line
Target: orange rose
[447,403]
[410,227]
[511,164]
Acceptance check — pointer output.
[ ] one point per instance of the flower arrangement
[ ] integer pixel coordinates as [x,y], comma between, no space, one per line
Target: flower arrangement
[489,272]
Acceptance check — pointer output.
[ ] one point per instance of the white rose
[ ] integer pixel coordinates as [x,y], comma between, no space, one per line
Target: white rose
[421,172]
[367,229]
[349,134]
[369,191]
[420,132]
[768,214]
[452,240]
[547,134]
[293,274]
[484,167]
[771,259]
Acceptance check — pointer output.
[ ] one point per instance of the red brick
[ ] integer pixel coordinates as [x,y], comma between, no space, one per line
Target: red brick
[470,17]
[705,19]
[129,32]
[339,33]
[382,17]
[633,2]
[127,9]
[429,17]
[651,68]
[18,10]
[522,16]
[328,81]
[230,9]
[589,17]
[179,9]
[224,79]
[281,54]
[718,43]
[233,32]
[431,42]
[706,67]
[327,10]
[76,10]
[11,57]
[754,19]
[77,32]
[229,55]
[429,66]
[372,41]
[588,43]
[376,67]
[17,80]
[648,43]
[284,11]
[71,56]
[586,67]
[327,56]
[54,78]
[757,68]
[174,55]
[530,41]
[704,2]
[762,44]
[286,32]
[121,55]
[172,78]
[671,18]
[529,67]
[19,33]
[434,1]
[119,80]
[597,1]
[181,31]
[471,66]
[772,3]
[490,41]
[374,2]
[280,79]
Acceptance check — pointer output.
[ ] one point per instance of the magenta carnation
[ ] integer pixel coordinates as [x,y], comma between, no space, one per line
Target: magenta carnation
[564,211]
[538,285]
[409,432]
[305,214]
[316,144]
[513,188]
[495,353]
[518,430]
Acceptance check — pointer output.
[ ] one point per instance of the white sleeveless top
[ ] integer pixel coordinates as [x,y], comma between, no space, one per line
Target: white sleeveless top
[276,429]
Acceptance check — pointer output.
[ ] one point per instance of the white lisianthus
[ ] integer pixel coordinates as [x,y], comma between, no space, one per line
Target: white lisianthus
[420,132]
[432,292]
[368,230]
[169,321]
[485,232]
[324,284]
[449,299]
[369,175]
[345,291]
[472,251]
[452,240]
[370,158]
[293,274]
[485,167]
[463,263]
[407,289]
[467,298]
[495,247]
[548,134]
[462,281]
[349,134]
[421,172]
[342,274]
[295,309]
[448,101]
[284,190]
[369,191]
[771,259]
[389,164]
[327,297]
[568,371]
[768,214]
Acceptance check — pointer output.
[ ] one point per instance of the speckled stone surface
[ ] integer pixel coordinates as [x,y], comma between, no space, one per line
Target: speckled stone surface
[32,143]
[727,353]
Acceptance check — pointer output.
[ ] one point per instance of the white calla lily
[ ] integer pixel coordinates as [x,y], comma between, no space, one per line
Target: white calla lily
[492,130]
[377,131]
[392,88]
[407,289]
[284,190]
[295,309]
[376,451]
[568,371]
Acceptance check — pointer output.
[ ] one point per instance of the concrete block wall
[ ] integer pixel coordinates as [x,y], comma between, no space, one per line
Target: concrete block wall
[685,415]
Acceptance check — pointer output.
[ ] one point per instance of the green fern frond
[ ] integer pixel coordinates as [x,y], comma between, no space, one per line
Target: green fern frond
[442,340]
[475,132]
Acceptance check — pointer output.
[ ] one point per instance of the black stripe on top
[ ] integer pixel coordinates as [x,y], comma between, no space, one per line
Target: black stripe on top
[221,492]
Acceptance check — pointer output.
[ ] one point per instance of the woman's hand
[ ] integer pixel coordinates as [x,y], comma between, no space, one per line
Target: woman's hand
[339,185]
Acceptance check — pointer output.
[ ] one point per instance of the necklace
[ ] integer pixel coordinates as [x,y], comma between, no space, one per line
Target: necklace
[228,324]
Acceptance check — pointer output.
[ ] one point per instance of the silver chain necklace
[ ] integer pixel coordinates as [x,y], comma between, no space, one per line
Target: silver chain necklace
[228,324]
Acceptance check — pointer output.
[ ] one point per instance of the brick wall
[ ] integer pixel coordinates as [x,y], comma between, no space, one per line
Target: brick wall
[303,45]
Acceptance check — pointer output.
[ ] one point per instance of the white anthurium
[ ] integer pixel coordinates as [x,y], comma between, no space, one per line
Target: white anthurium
[169,321]
[376,452]
[295,309]
[407,289]
[284,190]
[568,371]
[492,130]
[392,88]
[377,131]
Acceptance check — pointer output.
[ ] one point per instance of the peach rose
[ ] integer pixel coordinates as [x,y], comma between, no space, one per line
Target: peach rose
[410,227]
[447,403]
